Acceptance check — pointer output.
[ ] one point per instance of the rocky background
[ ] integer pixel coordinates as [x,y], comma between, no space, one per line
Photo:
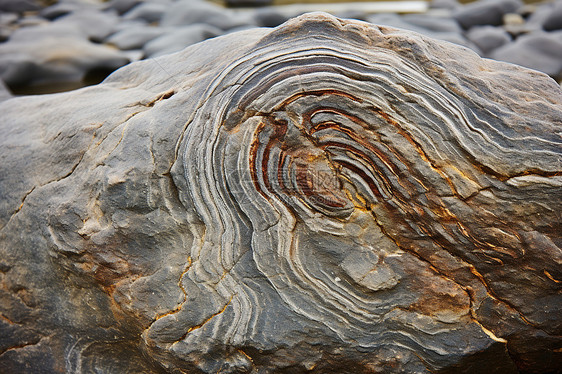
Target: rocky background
[51,46]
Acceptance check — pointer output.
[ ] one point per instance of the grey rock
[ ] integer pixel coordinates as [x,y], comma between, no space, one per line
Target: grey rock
[179,38]
[96,25]
[30,21]
[540,51]
[554,19]
[135,37]
[19,6]
[149,12]
[187,12]
[5,93]
[397,21]
[53,53]
[122,6]
[7,25]
[432,23]
[8,19]
[485,12]
[269,17]
[326,196]
[488,38]
[64,8]
[444,4]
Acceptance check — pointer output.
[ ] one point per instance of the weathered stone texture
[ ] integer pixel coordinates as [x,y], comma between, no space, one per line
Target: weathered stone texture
[327,196]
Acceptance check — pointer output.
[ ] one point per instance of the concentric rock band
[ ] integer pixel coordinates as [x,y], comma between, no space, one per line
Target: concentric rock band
[327,196]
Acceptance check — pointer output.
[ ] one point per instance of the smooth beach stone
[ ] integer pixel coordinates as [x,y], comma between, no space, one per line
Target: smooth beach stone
[8,22]
[269,17]
[95,24]
[554,19]
[488,38]
[135,37]
[329,196]
[5,93]
[485,12]
[19,6]
[541,51]
[432,23]
[63,8]
[443,33]
[178,38]
[54,53]
[187,12]
[149,12]
[122,6]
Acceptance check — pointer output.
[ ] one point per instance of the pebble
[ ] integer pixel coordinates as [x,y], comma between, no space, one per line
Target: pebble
[554,19]
[485,12]
[179,38]
[269,17]
[63,8]
[488,38]
[53,53]
[95,24]
[5,93]
[187,12]
[135,37]
[19,6]
[395,20]
[132,29]
[149,12]
[540,51]
[122,6]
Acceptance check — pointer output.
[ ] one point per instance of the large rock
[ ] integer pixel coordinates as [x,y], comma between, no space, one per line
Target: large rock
[327,196]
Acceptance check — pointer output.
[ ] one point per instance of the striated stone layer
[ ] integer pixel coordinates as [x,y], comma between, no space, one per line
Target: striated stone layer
[327,196]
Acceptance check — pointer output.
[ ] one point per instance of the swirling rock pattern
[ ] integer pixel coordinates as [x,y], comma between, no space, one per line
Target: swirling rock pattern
[328,196]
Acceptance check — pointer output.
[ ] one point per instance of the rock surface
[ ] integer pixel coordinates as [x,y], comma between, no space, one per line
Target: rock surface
[327,196]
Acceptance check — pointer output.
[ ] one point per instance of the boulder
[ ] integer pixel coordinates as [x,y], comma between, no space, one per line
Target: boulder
[327,196]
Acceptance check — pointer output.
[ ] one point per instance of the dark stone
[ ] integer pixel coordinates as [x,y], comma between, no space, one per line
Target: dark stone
[440,28]
[135,37]
[327,196]
[19,6]
[94,24]
[540,51]
[64,8]
[122,6]
[5,94]
[554,19]
[269,17]
[248,3]
[485,12]
[54,53]
[149,12]
[188,12]
[488,38]
[178,38]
